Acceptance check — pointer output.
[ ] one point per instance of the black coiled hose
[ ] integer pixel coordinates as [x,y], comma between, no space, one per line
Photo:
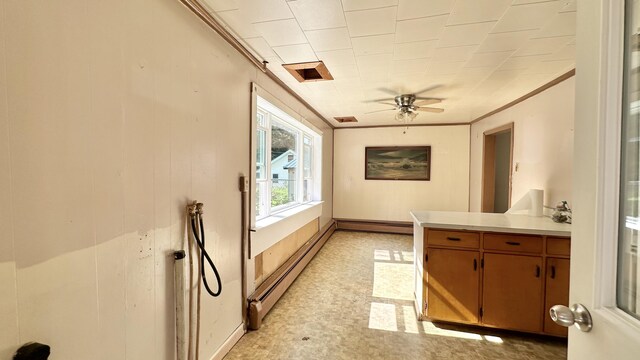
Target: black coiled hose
[204,255]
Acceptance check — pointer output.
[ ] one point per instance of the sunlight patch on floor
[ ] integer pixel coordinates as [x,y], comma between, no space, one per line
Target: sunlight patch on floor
[383,317]
[393,281]
[410,321]
[430,329]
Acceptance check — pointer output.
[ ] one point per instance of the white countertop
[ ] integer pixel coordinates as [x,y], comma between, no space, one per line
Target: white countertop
[519,224]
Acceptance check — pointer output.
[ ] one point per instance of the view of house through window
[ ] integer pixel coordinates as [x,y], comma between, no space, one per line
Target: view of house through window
[285,160]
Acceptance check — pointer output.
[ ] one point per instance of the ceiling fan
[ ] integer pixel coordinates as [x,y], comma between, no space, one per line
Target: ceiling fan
[407,106]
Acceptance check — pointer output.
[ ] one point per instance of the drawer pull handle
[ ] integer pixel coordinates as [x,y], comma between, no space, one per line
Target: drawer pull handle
[475,264]
[553,272]
[537,271]
[514,243]
[453,238]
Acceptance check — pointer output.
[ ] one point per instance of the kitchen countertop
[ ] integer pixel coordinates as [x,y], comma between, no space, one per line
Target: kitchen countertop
[508,223]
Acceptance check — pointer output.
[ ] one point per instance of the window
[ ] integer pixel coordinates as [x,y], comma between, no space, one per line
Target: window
[286,161]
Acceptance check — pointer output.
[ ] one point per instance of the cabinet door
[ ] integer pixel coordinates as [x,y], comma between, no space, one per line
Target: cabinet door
[557,292]
[453,285]
[512,292]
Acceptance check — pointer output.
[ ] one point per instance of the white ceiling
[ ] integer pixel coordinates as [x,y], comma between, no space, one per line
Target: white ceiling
[476,55]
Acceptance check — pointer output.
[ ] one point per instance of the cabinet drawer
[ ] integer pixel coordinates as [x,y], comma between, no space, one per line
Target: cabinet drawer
[558,246]
[461,239]
[512,242]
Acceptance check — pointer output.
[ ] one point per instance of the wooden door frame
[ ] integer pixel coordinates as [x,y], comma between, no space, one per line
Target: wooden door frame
[487,193]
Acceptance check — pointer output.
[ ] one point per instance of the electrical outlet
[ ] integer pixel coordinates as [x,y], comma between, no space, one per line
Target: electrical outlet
[244,183]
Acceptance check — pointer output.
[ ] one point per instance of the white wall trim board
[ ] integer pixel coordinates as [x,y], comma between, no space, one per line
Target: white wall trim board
[272,229]
[229,343]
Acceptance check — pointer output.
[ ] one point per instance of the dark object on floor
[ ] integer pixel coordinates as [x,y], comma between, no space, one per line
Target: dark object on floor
[32,351]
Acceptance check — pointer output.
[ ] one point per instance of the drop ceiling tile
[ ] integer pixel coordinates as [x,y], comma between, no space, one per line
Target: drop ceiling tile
[351,5]
[563,24]
[238,23]
[444,67]
[417,66]
[336,58]
[371,22]
[329,39]
[370,45]
[265,10]
[260,46]
[551,67]
[566,53]
[348,72]
[458,53]
[420,29]
[543,46]
[374,62]
[473,11]
[521,62]
[291,54]
[281,32]
[414,50]
[473,76]
[505,41]
[221,5]
[459,35]
[492,59]
[527,17]
[414,9]
[318,14]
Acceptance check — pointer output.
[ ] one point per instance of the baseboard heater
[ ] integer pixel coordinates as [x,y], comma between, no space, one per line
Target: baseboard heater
[392,227]
[267,294]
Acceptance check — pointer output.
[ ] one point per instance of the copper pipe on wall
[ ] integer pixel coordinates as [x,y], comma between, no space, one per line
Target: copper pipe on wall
[204,15]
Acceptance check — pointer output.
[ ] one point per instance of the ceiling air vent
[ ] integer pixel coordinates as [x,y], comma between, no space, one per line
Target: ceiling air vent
[346,119]
[309,71]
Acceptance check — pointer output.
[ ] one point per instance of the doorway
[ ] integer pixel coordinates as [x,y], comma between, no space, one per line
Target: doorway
[497,169]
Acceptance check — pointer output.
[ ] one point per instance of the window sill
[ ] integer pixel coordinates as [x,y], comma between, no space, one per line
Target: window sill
[272,229]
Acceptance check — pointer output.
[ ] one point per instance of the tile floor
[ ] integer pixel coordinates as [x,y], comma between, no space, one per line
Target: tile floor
[354,301]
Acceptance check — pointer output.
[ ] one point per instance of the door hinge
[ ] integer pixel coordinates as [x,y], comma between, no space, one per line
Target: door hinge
[426,257]
[481,312]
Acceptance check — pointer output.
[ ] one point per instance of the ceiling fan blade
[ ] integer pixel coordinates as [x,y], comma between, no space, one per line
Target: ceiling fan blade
[377,111]
[427,101]
[430,109]
[388,91]
[380,101]
[426,89]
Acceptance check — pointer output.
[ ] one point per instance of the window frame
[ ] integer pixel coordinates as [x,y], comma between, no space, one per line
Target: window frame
[273,114]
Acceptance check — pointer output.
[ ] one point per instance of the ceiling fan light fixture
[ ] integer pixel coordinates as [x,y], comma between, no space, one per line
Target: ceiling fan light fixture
[405,116]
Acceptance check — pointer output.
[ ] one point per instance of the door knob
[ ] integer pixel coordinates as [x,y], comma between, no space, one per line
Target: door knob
[577,315]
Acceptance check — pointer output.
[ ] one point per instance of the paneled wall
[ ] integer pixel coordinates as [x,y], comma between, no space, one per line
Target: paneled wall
[542,146]
[391,200]
[114,115]
[268,261]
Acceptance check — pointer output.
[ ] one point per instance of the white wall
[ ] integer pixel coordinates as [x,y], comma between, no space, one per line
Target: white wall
[388,200]
[543,145]
[113,115]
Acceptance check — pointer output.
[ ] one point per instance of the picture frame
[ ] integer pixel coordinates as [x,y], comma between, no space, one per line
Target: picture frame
[398,163]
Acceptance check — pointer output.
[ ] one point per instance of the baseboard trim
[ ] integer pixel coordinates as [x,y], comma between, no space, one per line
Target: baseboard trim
[267,294]
[390,227]
[229,343]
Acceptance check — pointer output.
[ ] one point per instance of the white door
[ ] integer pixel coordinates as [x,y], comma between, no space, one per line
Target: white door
[605,276]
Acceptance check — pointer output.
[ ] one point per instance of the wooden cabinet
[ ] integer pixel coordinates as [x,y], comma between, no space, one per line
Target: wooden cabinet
[453,285]
[557,292]
[500,280]
[512,296]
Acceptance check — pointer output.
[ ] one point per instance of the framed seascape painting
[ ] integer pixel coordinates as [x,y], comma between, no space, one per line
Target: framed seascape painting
[398,163]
